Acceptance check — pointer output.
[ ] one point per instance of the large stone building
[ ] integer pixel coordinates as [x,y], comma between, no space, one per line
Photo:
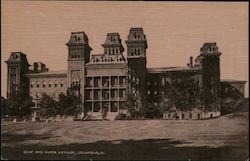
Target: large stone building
[106,79]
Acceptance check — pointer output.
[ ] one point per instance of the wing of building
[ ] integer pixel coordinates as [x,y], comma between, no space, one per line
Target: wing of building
[105,81]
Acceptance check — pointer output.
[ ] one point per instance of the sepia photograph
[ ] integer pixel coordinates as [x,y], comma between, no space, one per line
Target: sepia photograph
[124,80]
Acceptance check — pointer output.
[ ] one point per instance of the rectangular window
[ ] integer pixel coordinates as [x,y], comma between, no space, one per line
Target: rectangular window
[183,115]
[190,115]
[61,85]
[49,85]
[55,85]
[31,85]
[37,85]
[43,85]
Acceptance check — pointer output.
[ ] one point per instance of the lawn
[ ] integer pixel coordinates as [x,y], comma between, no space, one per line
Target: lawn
[223,138]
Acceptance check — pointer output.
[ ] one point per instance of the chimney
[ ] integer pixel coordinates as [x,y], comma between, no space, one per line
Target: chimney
[35,67]
[191,61]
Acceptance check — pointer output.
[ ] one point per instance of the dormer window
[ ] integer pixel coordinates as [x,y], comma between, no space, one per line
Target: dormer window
[135,35]
[75,38]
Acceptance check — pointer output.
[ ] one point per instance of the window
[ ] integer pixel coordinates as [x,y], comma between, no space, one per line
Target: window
[169,115]
[55,83]
[148,92]
[139,51]
[135,35]
[61,83]
[183,116]
[31,84]
[37,84]
[116,51]
[43,84]
[190,115]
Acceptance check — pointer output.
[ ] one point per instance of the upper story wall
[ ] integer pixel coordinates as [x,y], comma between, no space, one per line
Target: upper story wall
[51,83]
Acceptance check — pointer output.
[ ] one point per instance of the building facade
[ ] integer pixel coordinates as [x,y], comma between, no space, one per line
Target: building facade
[105,80]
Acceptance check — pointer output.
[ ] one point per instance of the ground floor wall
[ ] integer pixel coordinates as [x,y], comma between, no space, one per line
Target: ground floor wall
[191,115]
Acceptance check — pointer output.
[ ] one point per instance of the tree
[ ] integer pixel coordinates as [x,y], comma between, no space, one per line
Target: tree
[183,93]
[48,106]
[69,103]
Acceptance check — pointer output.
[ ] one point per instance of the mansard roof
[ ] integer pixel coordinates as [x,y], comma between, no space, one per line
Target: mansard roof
[210,49]
[173,69]
[17,57]
[136,35]
[113,40]
[61,73]
[78,38]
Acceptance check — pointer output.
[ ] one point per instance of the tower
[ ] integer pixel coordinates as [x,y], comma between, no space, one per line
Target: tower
[210,64]
[113,45]
[136,56]
[17,82]
[78,56]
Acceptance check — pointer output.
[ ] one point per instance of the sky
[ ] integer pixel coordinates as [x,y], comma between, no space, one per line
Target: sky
[174,30]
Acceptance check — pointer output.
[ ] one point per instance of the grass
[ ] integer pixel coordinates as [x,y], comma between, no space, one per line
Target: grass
[223,138]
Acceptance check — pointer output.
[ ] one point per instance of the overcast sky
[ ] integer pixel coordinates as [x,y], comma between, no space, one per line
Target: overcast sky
[174,30]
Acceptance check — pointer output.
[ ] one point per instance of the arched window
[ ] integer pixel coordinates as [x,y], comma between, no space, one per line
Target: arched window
[37,84]
[109,51]
[113,51]
[139,51]
[135,51]
[31,84]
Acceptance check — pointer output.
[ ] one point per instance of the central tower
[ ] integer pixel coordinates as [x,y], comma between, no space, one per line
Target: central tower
[136,56]
[78,56]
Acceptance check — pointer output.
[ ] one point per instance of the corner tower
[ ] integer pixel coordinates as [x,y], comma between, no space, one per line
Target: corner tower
[78,56]
[210,64]
[136,56]
[17,82]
